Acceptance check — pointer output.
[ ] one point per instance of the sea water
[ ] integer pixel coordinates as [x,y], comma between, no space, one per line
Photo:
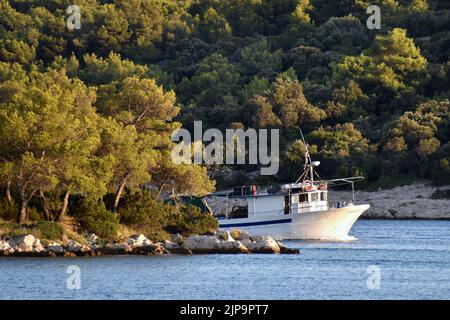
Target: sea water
[388,260]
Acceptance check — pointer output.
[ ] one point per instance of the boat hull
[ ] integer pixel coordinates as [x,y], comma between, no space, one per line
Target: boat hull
[332,224]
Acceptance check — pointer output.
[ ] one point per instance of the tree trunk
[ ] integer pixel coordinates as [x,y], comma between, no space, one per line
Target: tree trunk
[119,193]
[64,207]
[22,214]
[160,189]
[47,215]
[8,193]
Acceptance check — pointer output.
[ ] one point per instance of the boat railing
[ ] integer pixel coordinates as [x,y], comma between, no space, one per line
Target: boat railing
[338,204]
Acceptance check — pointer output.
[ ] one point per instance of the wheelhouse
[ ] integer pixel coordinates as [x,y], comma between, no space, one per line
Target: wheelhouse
[290,199]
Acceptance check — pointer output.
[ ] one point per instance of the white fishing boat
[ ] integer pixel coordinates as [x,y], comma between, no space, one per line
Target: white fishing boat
[299,210]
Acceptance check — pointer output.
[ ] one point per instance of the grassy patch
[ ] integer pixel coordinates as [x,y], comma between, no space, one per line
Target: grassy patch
[70,235]
[46,231]
[51,230]
[12,229]
[154,233]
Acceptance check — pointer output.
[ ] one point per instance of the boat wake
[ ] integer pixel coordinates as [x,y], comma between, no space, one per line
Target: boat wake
[348,239]
[339,239]
[334,239]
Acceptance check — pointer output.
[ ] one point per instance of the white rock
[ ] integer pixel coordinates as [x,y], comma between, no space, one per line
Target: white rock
[138,240]
[4,245]
[178,238]
[147,242]
[73,246]
[92,238]
[38,247]
[260,238]
[201,243]
[26,243]
[261,244]
[242,235]
[232,246]
[170,245]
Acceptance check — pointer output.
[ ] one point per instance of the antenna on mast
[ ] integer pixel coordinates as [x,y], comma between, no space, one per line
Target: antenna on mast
[307,156]
[309,165]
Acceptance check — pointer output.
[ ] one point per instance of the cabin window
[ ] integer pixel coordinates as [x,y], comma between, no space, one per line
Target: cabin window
[303,197]
[315,196]
[323,196]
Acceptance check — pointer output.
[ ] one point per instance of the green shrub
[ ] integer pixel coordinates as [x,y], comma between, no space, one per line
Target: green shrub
[95,218]
[192,221]
[51,230]
[154,233]
[147,212]
[7,211]
[145,208]
[104,223]
[440,171]
[34,214]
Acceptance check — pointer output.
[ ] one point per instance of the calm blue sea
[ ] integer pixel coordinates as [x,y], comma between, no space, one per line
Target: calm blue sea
[405,260]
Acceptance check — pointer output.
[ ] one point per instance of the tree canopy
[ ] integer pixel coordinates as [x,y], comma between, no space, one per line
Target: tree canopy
[90,111]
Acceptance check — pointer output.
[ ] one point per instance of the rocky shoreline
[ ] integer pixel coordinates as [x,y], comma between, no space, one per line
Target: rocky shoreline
[420,200]
[219,243]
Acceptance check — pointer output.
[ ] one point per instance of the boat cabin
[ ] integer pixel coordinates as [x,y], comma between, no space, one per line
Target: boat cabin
[291,199]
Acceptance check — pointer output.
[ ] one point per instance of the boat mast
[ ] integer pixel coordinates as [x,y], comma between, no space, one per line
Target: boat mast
[308,162]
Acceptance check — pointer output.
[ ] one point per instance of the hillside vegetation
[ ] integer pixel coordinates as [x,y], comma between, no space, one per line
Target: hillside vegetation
[87,113]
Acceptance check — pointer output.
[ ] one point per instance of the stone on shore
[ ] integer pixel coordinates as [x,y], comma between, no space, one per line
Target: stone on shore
[201,244]
[178,238]
[232,247]
[38,247]
[261,244]
[151,249]
[225,236]
[55,247]
[4,245]
[239,234]
[77,248]
[170,245]
[287,250]
[138,240]
[176,248]
[212,244]
[26,243]
[92,239]
[116,249]
[5,248]
[222,242]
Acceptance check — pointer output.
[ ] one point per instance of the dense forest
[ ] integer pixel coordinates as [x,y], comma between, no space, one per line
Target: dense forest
[90,110]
